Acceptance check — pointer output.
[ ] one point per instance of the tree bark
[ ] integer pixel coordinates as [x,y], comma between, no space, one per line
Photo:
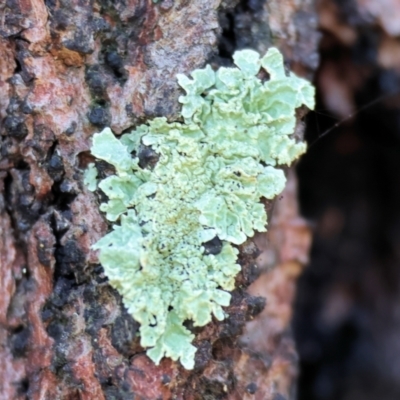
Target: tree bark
[68,69]
[347,321]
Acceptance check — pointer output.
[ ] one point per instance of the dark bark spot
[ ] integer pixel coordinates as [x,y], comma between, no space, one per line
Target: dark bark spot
[51,4]
[233,326]
[118,393]
[115,63]
[20,198]
[217,385]
[251,388]
[67,187]
[24,54]
[255,5]
[147,157]
[26,108]
[124,334]
[42,142]
[99,116]
[213,246]
[70,258]
[95,311]
[71,129]
[23,387]
[81,42]
[64,194]
[251,273]
[60,19]
[203,354]
[96,81]
[255,305]
[129,110]
[19,341]
[240,23]
[55,167]
[60,222]
[62,293]
[104,169]
[59,361]
[55,330]
[45,253]
[46,314]
[13,105]
[100,25]
[71,253]
[17,69]
[99,274]
[14,126]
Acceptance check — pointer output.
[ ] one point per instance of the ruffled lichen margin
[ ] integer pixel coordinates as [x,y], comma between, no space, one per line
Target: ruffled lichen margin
[213,169]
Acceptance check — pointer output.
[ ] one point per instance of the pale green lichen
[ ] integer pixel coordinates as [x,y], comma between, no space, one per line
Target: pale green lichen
[90,177]
[213,169]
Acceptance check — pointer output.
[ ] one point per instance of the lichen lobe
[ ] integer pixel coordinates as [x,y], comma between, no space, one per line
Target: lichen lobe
[212,171]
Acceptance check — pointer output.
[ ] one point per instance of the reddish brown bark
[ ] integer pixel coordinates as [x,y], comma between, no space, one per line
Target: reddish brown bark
[67,70]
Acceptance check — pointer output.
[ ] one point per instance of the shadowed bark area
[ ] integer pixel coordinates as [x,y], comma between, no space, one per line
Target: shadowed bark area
[68,69]
[348,322]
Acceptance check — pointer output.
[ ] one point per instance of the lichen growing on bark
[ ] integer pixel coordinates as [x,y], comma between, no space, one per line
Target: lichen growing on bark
[213,169]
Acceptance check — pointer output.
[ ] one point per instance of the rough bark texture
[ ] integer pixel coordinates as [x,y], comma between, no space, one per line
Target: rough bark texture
[348,322]
[67,69]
